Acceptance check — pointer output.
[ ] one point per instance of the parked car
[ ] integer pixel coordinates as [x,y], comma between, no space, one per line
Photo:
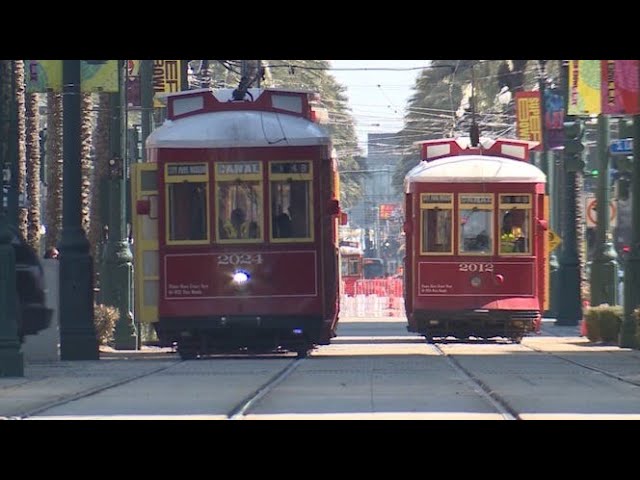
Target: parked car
[32,312]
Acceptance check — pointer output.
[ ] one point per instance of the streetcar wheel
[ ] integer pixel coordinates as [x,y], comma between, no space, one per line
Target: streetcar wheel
[303,352]
[428,338]
[187,353]
[516,339]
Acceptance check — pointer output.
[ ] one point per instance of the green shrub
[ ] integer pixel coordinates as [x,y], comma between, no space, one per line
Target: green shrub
[603,322]
[105,319]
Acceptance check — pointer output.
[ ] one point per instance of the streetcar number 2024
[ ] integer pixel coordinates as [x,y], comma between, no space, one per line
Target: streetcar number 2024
[475,267]
[239,259]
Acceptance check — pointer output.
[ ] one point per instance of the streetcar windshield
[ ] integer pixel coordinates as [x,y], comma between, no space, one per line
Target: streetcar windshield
[373,268]
[239,202]
[476,223]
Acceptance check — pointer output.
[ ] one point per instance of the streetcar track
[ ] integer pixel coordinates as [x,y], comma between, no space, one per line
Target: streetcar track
[585,366]
[481,388]
[241,409]
[89,392]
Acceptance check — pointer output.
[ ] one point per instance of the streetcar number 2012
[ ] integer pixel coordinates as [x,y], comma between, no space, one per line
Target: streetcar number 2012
[475,267]
[239,259]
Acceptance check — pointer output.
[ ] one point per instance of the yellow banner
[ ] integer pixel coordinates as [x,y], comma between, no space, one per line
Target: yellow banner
[43,75]
[585,80]
[166,78]
[99,76]
[46,75]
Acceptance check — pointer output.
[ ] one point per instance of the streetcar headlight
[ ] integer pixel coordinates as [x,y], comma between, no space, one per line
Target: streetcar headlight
[476,282]
[240,277]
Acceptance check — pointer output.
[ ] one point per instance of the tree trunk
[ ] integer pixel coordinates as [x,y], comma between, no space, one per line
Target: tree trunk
[33,171]
[85,161]
[22,156]
[54,175]
[100,163]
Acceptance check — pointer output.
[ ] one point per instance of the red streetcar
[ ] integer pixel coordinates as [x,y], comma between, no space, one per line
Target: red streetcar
[351,256]
[476,245]
[236,232]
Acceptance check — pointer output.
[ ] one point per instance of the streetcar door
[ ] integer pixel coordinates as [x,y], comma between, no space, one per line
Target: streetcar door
[144,193]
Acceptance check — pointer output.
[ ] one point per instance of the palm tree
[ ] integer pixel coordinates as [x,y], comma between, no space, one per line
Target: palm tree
[100,162]
[54,164]
[85,160]
[21,180]
[33,170]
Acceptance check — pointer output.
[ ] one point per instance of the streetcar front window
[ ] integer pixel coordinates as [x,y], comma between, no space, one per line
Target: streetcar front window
[187,200]
[239,202]
[437,219]
[290,201]
[192,198]
[515,224]
[475,213]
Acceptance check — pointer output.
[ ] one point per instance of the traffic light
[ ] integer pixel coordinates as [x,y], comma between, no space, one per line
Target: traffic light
[574,145]
[574,137]
[624,186]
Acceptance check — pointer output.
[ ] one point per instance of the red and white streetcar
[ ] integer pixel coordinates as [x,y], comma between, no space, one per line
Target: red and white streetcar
[236,224]
[476,240]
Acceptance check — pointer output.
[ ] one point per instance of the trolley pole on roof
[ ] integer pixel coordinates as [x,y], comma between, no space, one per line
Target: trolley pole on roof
[117,261]
[11,358]
[569,294]
[604,268]
[629,330]
[77,330]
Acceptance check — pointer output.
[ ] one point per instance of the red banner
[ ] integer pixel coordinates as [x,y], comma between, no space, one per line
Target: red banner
[528,118]
[620,87]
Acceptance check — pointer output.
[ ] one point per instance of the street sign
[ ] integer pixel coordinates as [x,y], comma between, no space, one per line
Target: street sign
[623,146]
[592,215]
[554,240]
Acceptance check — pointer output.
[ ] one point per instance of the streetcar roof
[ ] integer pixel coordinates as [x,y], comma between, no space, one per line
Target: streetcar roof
[345,250]
[474,169]
[244,128]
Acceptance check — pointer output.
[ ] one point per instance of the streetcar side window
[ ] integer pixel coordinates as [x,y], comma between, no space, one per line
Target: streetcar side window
[515,224]
[437,219]
[354,266]
[290,196]
[239,202]
[187,201]
[475,223]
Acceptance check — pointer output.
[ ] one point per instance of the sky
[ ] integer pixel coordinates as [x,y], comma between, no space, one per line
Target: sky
[377,98]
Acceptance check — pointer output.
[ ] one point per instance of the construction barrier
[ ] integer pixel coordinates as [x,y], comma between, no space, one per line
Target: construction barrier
[374,298]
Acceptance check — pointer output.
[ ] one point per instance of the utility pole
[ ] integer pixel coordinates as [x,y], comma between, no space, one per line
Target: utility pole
[549,170]
[117,260]
[569,295]
[11,358]
[604,268]
[146,102]
[77,330]
[628,330]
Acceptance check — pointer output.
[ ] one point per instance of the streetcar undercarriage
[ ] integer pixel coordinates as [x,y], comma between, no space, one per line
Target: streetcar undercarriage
[511,324]
[253,334]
